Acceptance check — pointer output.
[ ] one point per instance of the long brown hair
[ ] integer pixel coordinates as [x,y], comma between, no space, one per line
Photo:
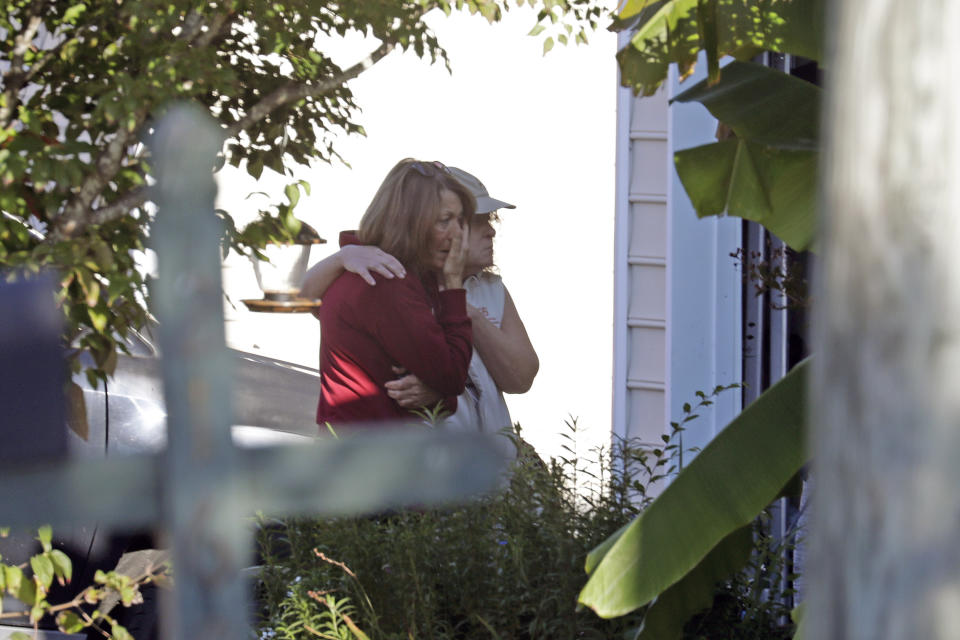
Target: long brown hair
[401,215]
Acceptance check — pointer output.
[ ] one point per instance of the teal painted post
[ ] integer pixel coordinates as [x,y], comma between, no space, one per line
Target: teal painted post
[210,541]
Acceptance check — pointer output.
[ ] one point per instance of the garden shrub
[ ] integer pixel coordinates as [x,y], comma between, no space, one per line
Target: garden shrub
[509,565]
[756,602]
[506,566]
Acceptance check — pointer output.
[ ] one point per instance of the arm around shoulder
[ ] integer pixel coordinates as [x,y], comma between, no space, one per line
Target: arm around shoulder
[320,276]
[359,259]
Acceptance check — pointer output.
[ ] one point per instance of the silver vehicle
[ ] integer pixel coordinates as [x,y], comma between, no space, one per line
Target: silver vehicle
[274,403]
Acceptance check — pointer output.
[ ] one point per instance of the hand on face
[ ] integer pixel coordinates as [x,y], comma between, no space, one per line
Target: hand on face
[448,246]
[457,258]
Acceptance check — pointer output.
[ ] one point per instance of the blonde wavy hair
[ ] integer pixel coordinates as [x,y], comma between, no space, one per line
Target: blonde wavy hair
[402,214]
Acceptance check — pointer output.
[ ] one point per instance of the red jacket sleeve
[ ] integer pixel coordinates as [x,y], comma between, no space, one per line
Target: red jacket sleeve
[436,349]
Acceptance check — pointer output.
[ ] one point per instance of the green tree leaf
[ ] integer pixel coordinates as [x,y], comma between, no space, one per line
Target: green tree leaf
[62,565]
[292,191]
[597,554]
[632,8]
[73,12]
[119,632]
[14,578]
[98,319]
[42,570]
[45,536]
[69,622]
[37,611]
[26,592]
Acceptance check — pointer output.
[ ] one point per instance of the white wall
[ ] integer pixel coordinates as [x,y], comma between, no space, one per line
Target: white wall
[704,289]
[539,131]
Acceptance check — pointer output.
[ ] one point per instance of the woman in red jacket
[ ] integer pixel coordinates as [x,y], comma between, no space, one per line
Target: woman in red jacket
[419,323]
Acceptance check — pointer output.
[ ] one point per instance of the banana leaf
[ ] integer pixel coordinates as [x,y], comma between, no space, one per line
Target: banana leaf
[722,490]
[767,172]
[775,187]
[676,30]
[672,609]
[762,104]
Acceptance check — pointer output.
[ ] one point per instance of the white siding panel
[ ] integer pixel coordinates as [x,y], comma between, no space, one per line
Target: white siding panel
[648,236]
[650,114]
[647,417]
[649,171]
[648,293]
[647,355]
[643,183]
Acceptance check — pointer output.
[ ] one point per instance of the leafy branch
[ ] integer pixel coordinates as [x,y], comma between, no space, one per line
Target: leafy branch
[30,583]
[296,91]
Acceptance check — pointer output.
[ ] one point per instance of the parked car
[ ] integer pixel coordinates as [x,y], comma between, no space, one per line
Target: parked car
[274,403]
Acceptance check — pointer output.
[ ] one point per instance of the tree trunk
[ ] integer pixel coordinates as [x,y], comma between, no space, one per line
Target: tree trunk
[885,547]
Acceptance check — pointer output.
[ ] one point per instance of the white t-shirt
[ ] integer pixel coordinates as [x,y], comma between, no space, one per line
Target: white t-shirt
[482,407]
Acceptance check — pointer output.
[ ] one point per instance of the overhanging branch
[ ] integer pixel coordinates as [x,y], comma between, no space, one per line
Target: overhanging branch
[76,215]
[120,207]
[218,24]
[294,91]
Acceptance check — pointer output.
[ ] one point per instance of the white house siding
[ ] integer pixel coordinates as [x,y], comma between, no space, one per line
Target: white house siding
[678,293]
[645,265]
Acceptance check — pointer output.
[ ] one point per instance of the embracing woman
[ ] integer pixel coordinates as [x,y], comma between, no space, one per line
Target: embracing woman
[504,360]
[417,323]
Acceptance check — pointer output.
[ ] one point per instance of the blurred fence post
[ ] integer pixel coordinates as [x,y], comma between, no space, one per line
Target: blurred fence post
[188,300]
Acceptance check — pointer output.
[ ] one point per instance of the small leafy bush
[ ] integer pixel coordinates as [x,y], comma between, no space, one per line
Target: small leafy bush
[507,566]
[756,602]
